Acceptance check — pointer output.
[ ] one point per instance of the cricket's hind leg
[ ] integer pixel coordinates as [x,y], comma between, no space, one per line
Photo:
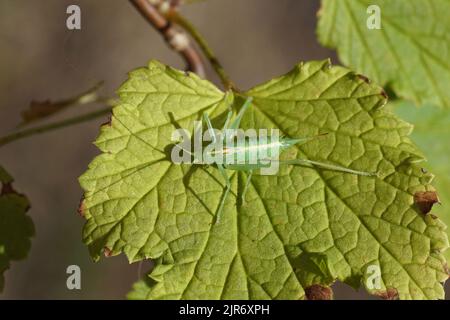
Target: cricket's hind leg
[328,166]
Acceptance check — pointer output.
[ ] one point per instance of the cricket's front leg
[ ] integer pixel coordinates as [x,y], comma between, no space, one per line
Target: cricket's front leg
[236,123]
[210,128]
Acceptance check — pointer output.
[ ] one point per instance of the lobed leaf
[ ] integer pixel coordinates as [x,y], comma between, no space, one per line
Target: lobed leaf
[431,127]
[300,229]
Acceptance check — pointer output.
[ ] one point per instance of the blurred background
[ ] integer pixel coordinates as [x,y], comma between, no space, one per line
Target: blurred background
[40,59]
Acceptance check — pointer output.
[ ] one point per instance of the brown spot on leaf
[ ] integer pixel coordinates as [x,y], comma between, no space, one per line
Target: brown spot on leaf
[363,78]
[318,292]
[107,123]
[107,252]
[81,208]
[425,200]
[389,294]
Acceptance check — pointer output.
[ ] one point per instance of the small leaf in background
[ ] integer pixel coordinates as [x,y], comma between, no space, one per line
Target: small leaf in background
[298,230]
[409,53]
[16,228]
[431,134]
[42,109]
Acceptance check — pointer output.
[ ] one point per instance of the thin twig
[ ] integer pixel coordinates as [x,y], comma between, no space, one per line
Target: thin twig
[177,18]
[53,126]
[42,109]
[175,38]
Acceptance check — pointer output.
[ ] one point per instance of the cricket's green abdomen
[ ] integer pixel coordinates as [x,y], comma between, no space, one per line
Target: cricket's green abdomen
[248,155]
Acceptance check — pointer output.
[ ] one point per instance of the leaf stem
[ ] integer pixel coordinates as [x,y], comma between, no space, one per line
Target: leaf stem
[53,126]
[177,18]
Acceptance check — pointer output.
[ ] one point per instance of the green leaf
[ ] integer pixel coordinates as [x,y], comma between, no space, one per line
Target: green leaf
[16,228]
[410,53]
[431,131]
[300,228]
